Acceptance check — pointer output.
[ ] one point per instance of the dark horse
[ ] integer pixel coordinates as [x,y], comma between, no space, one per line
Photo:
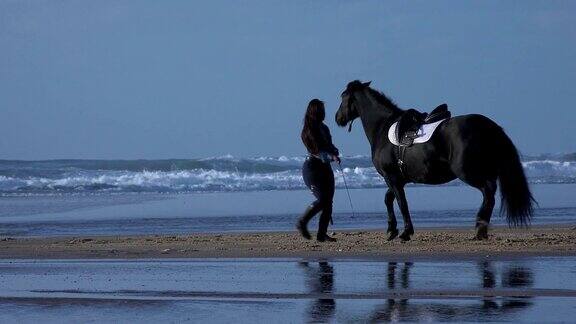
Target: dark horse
[471,148]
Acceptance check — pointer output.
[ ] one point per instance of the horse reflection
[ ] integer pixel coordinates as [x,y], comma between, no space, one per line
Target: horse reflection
[393,307]
[320,280]
[490,308]
[514,277]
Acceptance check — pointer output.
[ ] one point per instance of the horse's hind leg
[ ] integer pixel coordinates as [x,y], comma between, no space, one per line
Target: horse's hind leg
[485,213]
[392,224]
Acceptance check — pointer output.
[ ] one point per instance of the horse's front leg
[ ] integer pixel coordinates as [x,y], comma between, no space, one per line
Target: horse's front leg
[403,204]
[392,224]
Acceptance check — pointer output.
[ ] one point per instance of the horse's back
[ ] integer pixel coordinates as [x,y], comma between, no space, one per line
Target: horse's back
[471,132]
[474,141]
[471,126]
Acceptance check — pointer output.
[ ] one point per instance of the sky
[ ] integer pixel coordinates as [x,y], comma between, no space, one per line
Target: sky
[147,79]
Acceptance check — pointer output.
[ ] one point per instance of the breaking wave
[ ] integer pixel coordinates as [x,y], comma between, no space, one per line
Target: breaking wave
[217,174]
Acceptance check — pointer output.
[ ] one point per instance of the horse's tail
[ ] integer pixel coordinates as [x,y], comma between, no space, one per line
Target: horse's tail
[517,200]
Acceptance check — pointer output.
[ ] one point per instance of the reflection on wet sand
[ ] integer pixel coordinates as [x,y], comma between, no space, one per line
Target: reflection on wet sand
[489,308]
[60,302]
[394,306]
[320,280]
[513,277]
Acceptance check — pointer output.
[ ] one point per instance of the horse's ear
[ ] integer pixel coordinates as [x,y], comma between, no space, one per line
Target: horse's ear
[366,84]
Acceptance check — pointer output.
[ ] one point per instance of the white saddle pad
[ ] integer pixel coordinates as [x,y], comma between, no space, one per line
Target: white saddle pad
[424,133]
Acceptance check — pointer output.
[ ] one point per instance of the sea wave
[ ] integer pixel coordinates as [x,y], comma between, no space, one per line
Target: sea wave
[550,168]
[225,173]
[179,181]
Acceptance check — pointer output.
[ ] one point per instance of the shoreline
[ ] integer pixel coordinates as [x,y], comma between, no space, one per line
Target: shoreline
[454,243]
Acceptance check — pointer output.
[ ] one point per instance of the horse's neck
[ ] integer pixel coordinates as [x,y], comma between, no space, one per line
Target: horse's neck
[375,117]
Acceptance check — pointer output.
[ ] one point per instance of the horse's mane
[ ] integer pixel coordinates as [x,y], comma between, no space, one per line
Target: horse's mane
[379,96]
[383,99]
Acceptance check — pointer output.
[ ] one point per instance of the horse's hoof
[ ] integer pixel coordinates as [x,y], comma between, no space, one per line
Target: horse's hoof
[405,237]
[392,235]
[481,233]
[480,237]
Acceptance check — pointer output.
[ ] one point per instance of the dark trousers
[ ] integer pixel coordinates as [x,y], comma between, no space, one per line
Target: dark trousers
[319,178]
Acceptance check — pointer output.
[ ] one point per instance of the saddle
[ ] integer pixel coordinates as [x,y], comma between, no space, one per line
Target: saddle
[411,121]
[415,127]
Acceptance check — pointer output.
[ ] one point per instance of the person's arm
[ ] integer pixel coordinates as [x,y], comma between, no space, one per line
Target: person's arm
[329,146]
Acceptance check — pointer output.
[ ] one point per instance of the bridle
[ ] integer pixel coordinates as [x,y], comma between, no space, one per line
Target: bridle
[350,97]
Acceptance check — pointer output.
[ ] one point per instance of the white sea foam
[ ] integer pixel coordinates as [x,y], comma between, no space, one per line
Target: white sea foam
[73,179]
[550,168]
[283,158]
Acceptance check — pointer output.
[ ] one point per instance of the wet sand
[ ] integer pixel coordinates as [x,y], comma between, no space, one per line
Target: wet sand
[431,243]
[287,290]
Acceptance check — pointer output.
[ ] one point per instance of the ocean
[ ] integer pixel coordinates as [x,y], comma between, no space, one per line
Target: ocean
[220,174]
[228,194]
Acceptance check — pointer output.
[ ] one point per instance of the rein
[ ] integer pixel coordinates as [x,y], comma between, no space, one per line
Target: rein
[347,190]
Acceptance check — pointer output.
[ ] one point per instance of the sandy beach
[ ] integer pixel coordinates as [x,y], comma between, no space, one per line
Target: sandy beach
[533,241]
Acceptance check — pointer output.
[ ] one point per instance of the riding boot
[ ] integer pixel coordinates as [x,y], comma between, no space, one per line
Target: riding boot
[322,235]
[302,224]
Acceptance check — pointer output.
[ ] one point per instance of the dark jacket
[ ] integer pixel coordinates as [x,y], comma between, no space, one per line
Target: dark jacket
[324,141]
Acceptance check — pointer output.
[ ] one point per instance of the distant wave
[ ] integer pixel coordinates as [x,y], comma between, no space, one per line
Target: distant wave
[549,171]
[550,168]
[225,173]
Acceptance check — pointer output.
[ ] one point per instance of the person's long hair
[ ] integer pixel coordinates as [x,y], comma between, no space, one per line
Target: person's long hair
[312,120]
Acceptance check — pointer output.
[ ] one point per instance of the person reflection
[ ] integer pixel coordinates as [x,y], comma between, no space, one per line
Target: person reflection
[320,280]
[491,308]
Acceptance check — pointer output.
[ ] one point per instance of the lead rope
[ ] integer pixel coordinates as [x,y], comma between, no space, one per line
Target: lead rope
[347,191]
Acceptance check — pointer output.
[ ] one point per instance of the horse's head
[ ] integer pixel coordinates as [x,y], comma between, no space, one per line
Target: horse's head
[348,110]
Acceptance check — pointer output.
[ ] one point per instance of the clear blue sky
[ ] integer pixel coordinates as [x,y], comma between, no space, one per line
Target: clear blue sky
[184,79]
